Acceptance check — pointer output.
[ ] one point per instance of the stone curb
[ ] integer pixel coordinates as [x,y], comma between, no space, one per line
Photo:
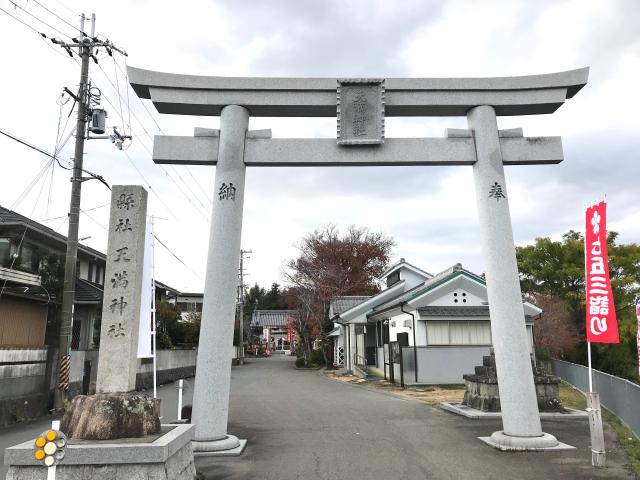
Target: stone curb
[108,452]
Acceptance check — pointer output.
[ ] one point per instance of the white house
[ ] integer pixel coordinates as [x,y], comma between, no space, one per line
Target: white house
[440,323]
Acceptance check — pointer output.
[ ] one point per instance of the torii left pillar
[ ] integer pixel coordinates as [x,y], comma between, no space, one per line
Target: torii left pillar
[213,367]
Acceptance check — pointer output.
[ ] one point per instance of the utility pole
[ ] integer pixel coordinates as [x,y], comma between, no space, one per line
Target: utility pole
[241,303]
[85,45]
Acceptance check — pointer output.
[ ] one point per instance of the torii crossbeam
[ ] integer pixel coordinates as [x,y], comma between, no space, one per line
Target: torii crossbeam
[361,106]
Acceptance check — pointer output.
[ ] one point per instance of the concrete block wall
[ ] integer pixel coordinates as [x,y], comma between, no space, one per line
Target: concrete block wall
[27,380]
[23,386]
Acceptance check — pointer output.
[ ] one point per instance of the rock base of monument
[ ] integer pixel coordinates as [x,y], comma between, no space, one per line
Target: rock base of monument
[110,416]
[229,446]
[166,456]
[544,442]
[481,388]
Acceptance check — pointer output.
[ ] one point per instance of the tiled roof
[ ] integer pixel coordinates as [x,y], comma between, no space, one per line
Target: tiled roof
[403,262]
[29,292]
[9,217]
[272,318]
[428,285]
[342,304]
[455,311]
[88,292]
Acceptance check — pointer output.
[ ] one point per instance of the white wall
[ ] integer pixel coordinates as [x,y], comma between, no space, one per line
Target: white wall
[463,297]
[411,278]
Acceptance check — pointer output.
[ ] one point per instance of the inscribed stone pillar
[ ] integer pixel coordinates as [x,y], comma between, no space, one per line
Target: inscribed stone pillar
[520,416]
[118,362]
[213,367]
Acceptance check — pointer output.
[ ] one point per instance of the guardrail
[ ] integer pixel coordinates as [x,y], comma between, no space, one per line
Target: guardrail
[618,395]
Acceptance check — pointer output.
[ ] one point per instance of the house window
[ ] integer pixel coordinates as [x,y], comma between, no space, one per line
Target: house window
[393,278]
[90,276]
[476,332]
[5,255]
[27,258]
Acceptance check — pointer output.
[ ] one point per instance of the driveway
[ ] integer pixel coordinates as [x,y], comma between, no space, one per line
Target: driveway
[301,425]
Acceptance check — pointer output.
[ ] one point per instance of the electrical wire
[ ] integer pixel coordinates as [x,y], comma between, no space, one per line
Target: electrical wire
[23,142]
[195,180]
[57,16]
[67,7]
[94,220]
[176,257]
[85,210]
[32,184]
[204,212]
[39,20]
[44,182]
[66,219]
[182,191]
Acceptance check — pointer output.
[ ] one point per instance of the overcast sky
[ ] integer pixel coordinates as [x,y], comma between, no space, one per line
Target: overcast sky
[430,212]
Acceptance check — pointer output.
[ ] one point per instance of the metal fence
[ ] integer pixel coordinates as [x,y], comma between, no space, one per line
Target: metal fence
[618,395]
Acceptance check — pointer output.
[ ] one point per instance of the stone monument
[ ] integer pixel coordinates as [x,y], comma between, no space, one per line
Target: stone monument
[117,410]
[482,393]
[116,433]
[360,106]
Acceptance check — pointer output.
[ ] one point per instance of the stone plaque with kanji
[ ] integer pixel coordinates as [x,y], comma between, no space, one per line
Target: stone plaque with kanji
[118,360]
[360,112]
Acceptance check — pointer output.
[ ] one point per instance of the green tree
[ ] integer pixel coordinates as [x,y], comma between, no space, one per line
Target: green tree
[192,328]
[169,330]
[556,269]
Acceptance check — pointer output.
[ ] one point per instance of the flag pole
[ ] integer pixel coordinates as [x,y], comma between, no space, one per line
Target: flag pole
[590,371]
[598,455]
[586,208]
[153,307]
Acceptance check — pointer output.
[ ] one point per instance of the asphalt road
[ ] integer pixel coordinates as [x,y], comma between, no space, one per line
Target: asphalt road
[301,425]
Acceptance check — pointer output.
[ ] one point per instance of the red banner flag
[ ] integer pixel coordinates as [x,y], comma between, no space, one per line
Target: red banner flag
[602,326]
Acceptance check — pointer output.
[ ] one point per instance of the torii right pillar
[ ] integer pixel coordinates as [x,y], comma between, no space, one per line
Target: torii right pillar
[522,429]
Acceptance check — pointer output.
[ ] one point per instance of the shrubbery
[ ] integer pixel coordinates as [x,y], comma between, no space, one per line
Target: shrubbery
[300,363]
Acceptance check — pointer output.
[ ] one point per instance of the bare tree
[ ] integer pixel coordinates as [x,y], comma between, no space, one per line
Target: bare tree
[330,265]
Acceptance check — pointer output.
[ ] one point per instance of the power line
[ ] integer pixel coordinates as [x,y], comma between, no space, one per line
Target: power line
[32,184]
[54,157]
[206,212]
[195,180]
[176,257]
[57,16]
[39,20]
[85,210]
[67,7]
[203,213]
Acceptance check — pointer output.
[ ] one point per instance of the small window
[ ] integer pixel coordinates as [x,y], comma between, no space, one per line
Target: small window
[393,278]
[438,333]
[27,258]
[5,252]
[474,332]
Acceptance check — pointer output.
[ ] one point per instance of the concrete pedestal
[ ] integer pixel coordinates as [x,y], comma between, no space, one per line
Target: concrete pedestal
[166,456]
[213,367]
[520,416]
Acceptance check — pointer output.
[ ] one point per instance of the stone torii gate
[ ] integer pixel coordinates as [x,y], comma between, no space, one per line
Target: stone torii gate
[360,106]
